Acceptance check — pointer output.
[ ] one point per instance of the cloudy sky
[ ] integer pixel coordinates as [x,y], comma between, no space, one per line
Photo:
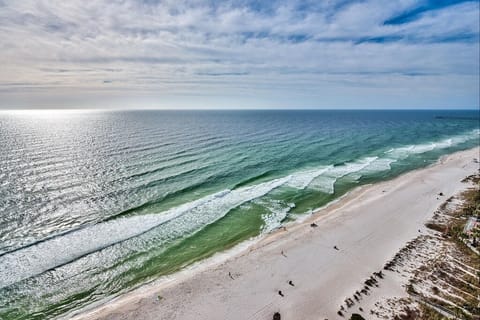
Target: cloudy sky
[239,54]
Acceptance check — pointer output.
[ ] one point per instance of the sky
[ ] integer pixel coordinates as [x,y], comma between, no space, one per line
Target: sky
[242,54]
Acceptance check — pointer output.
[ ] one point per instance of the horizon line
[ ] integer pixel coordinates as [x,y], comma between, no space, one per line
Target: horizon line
[242,109]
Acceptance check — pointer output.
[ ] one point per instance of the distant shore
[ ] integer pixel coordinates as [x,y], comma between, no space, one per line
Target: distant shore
[308,269]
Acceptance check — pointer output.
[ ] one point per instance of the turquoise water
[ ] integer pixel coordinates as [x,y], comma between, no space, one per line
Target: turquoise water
[93,204]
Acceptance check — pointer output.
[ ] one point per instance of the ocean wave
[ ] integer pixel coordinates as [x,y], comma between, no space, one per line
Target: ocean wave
[277,212]
[326,182]
[378,165]
[302,179]
[323,178]
[58,251]
[254,178]
[401,153]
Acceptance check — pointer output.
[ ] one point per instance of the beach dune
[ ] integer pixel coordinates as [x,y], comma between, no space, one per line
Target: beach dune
[354,237]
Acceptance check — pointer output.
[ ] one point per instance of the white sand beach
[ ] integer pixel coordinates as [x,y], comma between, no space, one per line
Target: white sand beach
[368,226]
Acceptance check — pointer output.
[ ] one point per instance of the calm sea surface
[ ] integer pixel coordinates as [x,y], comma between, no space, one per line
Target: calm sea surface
[96,203]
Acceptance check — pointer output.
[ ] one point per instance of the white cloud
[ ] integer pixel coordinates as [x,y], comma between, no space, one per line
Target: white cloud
[183,53]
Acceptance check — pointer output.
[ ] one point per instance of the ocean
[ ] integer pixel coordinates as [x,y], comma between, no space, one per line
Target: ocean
[96,203]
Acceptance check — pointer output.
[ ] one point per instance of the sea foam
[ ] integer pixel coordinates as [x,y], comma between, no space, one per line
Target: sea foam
[403,152]
[47,255]
[326,182]
[38,258]
[323,178]
[302,179]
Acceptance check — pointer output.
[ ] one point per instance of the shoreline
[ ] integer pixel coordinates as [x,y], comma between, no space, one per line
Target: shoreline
[213,283]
